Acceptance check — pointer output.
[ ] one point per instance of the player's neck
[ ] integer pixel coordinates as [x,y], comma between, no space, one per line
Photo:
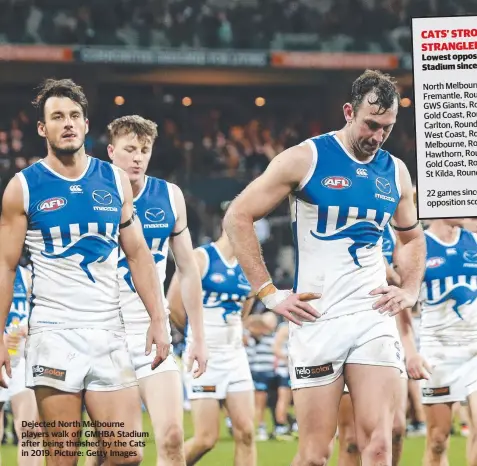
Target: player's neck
[446,233]
[343,136]
[68,166]
[226,249]
[137,186]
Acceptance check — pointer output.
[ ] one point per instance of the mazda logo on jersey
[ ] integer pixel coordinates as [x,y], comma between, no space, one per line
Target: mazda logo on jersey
[470,256]
[336,182]
[434,262]
[102,197]
[383,185]
[155,215]
[54,203]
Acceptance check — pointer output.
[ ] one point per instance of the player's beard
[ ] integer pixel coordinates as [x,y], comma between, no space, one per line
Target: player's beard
[68,150]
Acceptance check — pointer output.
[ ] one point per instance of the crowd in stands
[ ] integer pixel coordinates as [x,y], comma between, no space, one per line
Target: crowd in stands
[331,25]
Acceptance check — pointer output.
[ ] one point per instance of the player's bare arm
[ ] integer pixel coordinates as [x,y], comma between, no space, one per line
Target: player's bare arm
[13,227]
[190,282]
[410,255]
[391,275]
[259,198]
[247,307]
[144,275]
[176,305]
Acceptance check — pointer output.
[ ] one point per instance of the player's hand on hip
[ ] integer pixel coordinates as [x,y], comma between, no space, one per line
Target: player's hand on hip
[393,299]
[157,334]
[293,306]
[4,362]
[417,367]
[198,352]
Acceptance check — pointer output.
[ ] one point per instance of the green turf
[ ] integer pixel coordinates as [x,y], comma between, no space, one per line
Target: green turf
[271,453]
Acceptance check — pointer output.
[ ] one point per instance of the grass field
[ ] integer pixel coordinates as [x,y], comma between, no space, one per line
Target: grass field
[271,453]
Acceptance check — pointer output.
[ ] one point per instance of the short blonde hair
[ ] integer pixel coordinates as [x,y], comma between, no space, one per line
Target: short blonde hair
[132,124]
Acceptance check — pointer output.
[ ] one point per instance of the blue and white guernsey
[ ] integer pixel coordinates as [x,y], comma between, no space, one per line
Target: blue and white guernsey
[449,291]
[72,236]
[389,243]
[225,289]
[155,208]
[18,314]
[339,212]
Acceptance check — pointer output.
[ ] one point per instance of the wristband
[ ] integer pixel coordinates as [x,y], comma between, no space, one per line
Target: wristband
[273,299]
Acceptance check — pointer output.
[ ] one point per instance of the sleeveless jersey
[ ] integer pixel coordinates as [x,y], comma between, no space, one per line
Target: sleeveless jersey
[19,308]
[389,243]
[449,291]
[156,211]
[224,291]
[72,238]
[339,212]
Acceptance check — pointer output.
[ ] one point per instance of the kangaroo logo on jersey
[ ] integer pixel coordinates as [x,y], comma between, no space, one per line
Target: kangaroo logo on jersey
[52,204]
[92,248]
[336,182]
[387,245]
[363,234]
[123,263]
[435,262]
[461,295]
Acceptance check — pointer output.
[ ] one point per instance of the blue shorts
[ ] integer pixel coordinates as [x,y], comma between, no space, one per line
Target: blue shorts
[263,380]
[283,381]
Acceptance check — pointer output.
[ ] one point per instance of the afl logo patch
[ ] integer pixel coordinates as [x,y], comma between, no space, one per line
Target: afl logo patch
[434,262]
[54,203]
[217,278]
[336,182]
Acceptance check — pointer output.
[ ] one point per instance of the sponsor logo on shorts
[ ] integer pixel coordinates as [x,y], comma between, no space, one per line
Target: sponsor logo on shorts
[43,371]
[204,389]
[312,372]
[441,391]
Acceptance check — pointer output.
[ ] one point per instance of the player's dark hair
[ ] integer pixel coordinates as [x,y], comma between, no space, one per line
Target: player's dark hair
[379,87]
[59,88]
[134,124]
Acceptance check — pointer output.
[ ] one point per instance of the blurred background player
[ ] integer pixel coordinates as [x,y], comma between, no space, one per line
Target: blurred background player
[366,352]
[283,429]
[22,399]
[72,211]
[449,333]
[263,368]
[226,302]
[161,209]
